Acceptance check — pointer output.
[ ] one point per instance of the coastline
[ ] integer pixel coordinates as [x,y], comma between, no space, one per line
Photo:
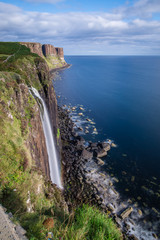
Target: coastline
[52,71]
[119,162]
[84,182]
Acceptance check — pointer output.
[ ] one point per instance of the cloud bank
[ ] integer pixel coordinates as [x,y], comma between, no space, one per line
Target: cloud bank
[85,33]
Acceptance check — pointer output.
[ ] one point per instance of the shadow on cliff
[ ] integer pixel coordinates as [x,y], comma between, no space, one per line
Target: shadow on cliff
[11,200]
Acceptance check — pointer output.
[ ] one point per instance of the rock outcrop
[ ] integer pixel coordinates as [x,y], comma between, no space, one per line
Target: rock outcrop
[49,50]
[34,47]
[54,54]
[60,53]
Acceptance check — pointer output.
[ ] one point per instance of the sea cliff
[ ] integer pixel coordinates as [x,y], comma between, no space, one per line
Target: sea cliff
[25,186]
[54,56]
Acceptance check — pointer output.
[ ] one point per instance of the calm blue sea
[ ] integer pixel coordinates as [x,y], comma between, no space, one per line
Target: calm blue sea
[122,96]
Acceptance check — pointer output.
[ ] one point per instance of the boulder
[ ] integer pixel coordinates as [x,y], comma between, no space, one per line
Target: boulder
[99,161]
[89,120]
[105,146]
[100,153]
[154,235]
[126,213]
[86,154]
[140,212]
[80,138]
[93,145]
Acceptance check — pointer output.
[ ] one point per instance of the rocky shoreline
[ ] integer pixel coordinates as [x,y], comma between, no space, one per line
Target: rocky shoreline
[52,71]
[84,182]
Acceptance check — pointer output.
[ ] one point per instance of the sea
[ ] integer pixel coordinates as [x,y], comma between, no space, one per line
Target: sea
[120,95]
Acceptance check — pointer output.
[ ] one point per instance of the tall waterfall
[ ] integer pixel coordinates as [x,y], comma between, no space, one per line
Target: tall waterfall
[53,159]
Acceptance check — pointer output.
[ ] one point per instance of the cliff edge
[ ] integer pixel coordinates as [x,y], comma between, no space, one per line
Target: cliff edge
[54,56]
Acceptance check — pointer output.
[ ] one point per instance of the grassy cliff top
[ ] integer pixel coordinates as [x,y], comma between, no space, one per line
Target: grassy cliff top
[11,51]
[17,58]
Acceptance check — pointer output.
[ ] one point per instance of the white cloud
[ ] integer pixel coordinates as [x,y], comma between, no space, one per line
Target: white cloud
[92,31]
[8,8]
[142,8]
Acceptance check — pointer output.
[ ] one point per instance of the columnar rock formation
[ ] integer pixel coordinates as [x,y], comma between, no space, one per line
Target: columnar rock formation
[49,50]
[45,49]
[60,53]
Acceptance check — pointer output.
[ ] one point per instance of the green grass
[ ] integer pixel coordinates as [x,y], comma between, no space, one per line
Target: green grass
[10,48]
[84,223]
[87,223]
[54,62]
[23,63]
[91,224]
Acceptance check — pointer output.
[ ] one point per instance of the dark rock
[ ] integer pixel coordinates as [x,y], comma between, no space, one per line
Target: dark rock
[155,236]
[118,221]
[80,138]
[99,161]
[86,154]
[10,215]
[132,237]
[105,146]
[99,153]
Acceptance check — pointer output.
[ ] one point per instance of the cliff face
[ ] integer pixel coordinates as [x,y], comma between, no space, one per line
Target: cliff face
[32,71]
[30,121]
[49,50]
[48,94]
[34,47]
[54,56]
[25,188]
[60,53]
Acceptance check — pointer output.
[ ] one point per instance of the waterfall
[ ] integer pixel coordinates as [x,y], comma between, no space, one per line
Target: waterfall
[51,149]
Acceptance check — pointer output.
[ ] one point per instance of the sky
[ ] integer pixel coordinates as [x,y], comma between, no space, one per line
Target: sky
[85,27]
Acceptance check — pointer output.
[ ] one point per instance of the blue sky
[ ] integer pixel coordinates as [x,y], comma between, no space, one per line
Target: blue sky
[85,27]
[65,6]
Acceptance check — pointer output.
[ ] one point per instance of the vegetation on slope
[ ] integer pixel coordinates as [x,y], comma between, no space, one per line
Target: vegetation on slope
[54,62]
[23,189]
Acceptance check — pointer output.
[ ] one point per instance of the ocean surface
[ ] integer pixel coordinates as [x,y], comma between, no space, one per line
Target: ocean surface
[121,95]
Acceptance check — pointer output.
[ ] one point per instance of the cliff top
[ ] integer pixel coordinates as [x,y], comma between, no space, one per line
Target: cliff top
[12,51]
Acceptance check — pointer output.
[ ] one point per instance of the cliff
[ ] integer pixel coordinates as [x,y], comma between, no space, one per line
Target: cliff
[20,75]
[54,56]
[25,185]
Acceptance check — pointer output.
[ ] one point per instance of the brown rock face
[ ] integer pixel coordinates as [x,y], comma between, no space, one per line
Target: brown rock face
[60,52]
[34,47]
[49,96]
[37,145]
[35,141]
[45,49]
[49,50]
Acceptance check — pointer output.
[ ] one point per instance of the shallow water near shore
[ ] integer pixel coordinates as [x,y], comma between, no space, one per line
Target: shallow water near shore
[120,96]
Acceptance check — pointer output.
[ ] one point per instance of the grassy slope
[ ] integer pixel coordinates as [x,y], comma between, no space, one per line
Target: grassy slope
[17,182]
[54,62]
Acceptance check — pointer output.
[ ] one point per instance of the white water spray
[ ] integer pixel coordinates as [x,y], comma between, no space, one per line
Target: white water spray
[53,159]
